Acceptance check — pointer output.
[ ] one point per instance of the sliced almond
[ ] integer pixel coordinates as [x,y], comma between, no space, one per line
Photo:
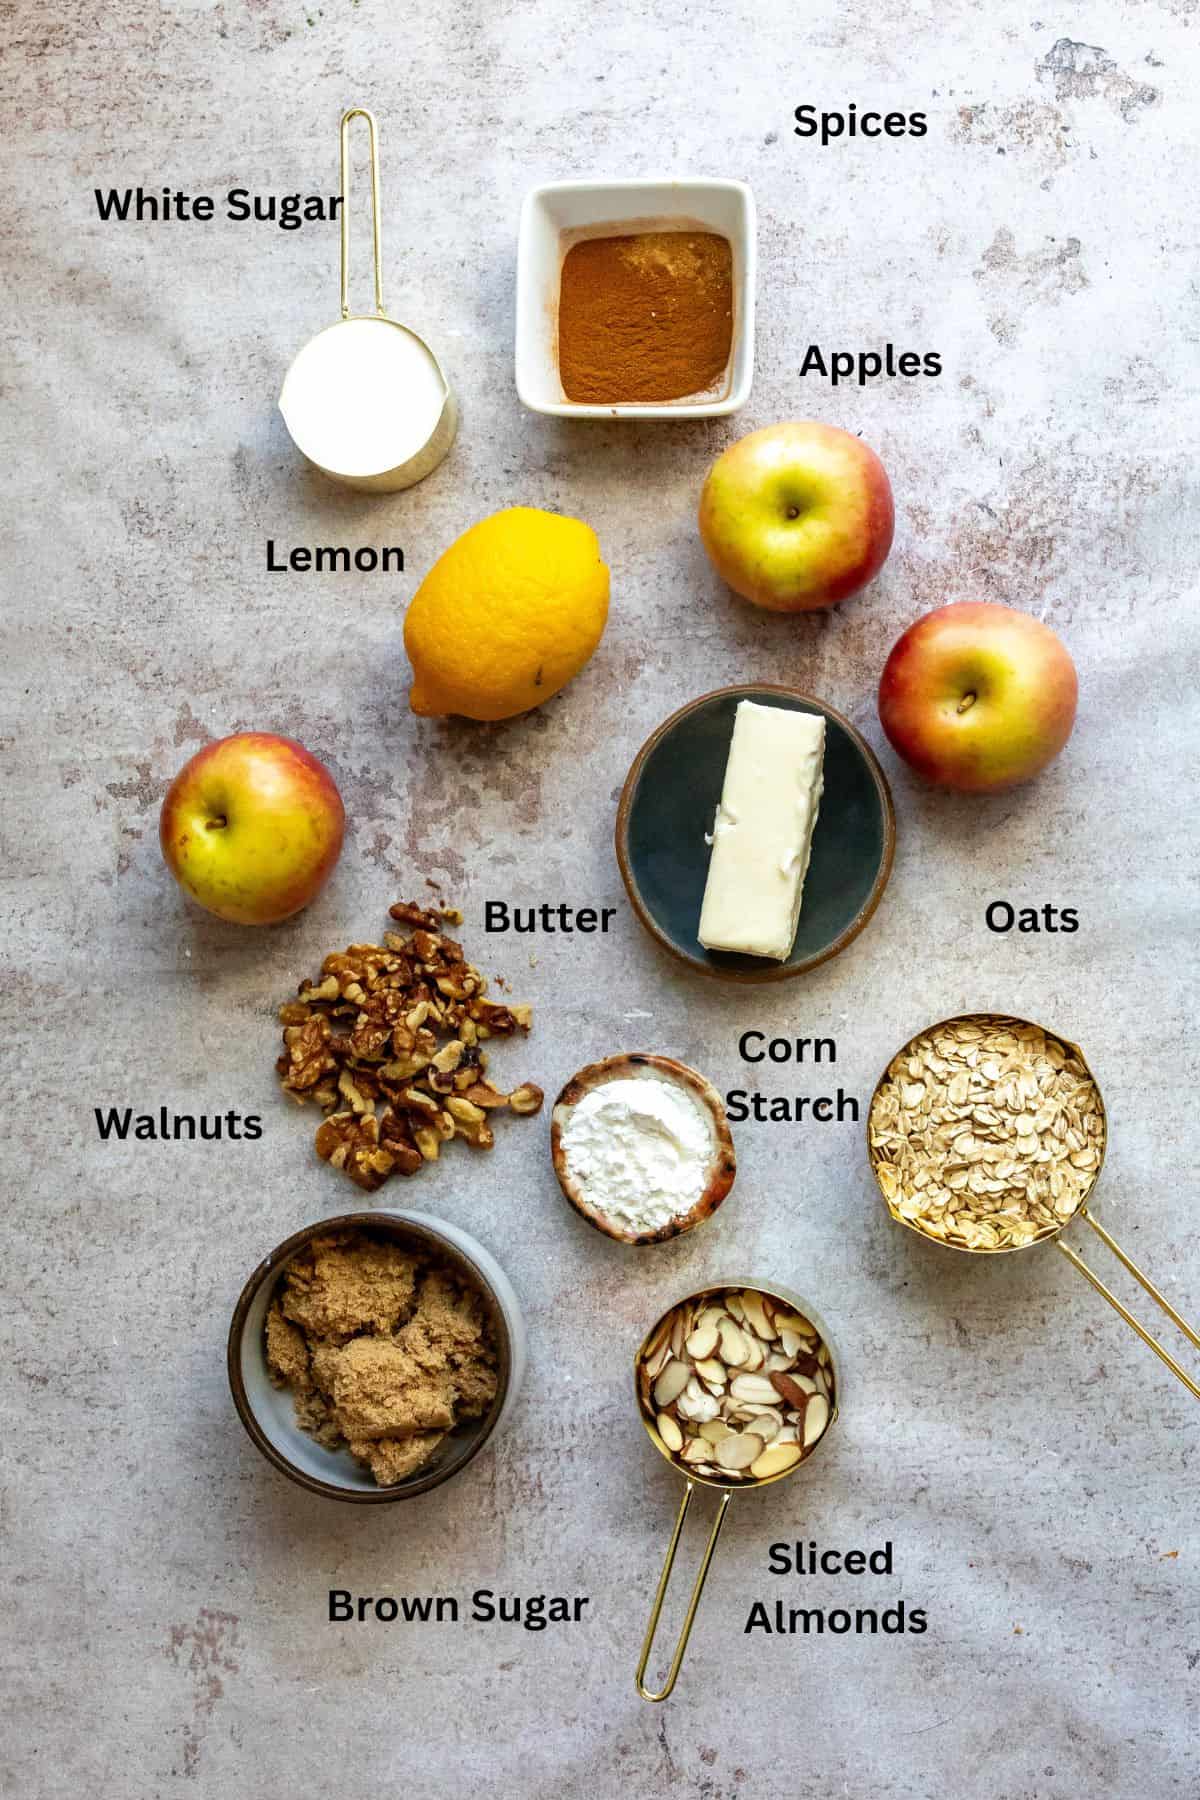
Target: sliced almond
[791,1340]
[752,1387]
[713,1430]
[712,1370]
[788,1388]
[767,1426]
[733,1305]
[709,1315]
[695,1450]
[774,1460]
[671,1383]
[816,1418]
[755,1315]
[697,1407]
[669,1432]
[702,1342]
[755,1356]
[734,1345]
[739,1452]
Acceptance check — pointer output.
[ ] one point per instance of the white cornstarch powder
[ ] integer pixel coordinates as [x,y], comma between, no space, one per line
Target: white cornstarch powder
[640,1150]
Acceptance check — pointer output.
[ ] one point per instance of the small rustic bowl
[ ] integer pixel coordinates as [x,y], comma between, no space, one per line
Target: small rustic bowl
[667,807]
[267,1411]
[723,1166]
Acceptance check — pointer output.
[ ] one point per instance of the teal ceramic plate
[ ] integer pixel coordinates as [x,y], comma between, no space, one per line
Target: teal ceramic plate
[667,806]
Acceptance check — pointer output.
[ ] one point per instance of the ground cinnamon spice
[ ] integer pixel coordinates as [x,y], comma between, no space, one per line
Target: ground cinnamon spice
[644,317]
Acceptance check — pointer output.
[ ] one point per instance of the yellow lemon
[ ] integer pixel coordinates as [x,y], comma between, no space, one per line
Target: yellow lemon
[506,616]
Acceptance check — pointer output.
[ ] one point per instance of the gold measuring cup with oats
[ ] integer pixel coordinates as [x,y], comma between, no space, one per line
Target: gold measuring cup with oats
[737,1387]
[987,1133]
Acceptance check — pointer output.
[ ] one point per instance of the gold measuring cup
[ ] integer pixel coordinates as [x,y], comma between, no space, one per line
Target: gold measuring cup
[726,1486]
[1048,1233]
[368,408]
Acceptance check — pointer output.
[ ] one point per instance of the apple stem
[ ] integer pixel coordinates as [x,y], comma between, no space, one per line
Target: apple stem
[793,512]
[217,824]
[966,703]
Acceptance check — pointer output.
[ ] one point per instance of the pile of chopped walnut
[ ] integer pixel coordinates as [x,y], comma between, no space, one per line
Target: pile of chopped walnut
[388,1043]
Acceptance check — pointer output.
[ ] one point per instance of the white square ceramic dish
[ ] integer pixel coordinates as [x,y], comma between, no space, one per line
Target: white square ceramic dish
[562,212]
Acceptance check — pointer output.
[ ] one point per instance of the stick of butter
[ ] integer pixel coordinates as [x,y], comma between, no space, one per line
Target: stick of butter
[763,831]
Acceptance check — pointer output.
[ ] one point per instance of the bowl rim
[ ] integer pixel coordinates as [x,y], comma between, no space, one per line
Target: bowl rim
[602,184]
[781,971]
[271,1267]
[722,1168]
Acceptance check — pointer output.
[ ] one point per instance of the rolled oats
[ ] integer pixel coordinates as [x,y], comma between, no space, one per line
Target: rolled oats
[986,1133]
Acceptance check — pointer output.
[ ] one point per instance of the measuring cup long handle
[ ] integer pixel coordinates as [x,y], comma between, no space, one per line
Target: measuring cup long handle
[1145,1282]
[693,1603]
[360,112]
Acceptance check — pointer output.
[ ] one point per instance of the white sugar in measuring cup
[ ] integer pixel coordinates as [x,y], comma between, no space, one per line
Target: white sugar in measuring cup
[366,401]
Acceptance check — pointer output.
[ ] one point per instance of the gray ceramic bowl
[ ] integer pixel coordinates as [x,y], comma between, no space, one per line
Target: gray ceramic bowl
[667,806]
[267,1411]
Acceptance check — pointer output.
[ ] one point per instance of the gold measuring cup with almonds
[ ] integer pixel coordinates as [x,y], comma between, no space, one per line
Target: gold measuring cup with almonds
[987,1133]
[737,1387]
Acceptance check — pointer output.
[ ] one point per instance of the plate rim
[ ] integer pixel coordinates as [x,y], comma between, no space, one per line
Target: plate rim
[779,971]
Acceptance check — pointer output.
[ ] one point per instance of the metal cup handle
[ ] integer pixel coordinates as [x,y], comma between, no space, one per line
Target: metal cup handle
[1145,1282]
[693,1603]
[360,112]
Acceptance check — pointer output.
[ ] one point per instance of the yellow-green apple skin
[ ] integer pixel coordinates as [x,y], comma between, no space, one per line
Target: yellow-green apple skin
[978,697]
[797,516]
[251,827]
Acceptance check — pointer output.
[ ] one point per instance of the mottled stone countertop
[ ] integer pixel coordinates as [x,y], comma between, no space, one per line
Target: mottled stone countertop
[1033,1466]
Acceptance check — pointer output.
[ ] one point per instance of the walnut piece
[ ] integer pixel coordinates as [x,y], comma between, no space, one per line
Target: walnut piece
[387,1041]
[353,1144]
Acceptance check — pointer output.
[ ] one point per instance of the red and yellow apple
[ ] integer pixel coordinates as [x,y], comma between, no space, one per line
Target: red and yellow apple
[978,696]
[251,827]
[797,516]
